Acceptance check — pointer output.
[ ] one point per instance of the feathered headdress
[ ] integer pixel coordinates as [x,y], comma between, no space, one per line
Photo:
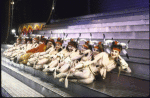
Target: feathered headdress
[100,47]
[72,43]
[59,41]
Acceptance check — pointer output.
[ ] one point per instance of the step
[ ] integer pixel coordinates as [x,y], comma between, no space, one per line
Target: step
[111,86]
[110,23]
[125,28]
[16,88]
[106,17]
[125,35]
[43,87]
[4,93]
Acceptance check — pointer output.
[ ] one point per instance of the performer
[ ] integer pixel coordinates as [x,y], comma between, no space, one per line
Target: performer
[58,48]
[29,45]
[42,57]
[86,74]
[72,46]
[107,62]
[29,31]
[42,47]
[26,42]
[84,55]
[18,43]
[16,47]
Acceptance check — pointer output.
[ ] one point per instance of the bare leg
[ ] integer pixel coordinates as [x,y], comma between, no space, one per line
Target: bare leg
[31,61]
[128,70]
[64,68]
[103,72]
[87,81]
[85,74]
[53,64]
[42,61]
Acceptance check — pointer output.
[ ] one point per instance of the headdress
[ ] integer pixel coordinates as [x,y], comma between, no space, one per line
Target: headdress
[59,41]
[72,43]
[100,47]
[42,39]
[87,46]
[115,46]
[52,40]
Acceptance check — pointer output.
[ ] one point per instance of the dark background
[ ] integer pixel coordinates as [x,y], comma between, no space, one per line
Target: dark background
[27,11]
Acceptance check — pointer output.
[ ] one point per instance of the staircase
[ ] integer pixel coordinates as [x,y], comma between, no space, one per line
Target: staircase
[130,25]
[46,85]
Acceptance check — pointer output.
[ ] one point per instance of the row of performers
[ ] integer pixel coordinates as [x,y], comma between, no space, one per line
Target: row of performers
[67,62]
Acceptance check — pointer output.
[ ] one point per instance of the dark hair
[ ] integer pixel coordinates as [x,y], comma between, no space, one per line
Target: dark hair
[19,38]
[92,57]
[50,41]
[43,40]
[90,47]
[29,39]
[59,49]
[25,40]
[116,46]
[67,48]
[60,40]
[101,48]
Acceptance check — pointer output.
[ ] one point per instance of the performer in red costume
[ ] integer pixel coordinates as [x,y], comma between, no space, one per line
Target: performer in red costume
[41,48]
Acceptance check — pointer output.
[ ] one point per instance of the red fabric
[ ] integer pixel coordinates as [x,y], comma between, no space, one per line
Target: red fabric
[40,48]
[85,46]
[59,43]
[116,49]
[115,43]
[96,47]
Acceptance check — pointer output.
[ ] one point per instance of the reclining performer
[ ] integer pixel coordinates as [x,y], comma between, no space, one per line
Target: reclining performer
[106,62]
[31,43]
[16,47]
[64,56]
[23,49]
[41,57]
[41,48]
[84,55]
[54,60]
[86,74]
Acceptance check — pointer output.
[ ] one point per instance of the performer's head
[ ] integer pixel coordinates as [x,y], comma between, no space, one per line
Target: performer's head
[50,43]
[71,45]
[18,41]
[58,43]
[86,46]
[29,41]
[99,48]
[115,50]
[24,41]
[35,40]
[43,41]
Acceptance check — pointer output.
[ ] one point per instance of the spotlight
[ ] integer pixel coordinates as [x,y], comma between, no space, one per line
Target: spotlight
[53,8]
[13,30]
[12,2]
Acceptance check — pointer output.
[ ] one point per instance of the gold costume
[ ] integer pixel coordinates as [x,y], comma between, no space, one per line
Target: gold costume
[24,58]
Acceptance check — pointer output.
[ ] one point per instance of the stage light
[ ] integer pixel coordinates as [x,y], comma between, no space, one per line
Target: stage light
[12,2]
[53,8]
[13,30]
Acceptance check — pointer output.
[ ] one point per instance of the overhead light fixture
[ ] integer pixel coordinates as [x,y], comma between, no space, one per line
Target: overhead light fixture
[12,2]
[53,8]
[13,30]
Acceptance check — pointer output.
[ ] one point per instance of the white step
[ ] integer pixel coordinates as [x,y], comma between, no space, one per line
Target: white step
[111,86]
[98,25]
[16,88]
[45,88]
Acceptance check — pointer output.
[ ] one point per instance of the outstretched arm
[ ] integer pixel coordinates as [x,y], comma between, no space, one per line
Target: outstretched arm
[124,65]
